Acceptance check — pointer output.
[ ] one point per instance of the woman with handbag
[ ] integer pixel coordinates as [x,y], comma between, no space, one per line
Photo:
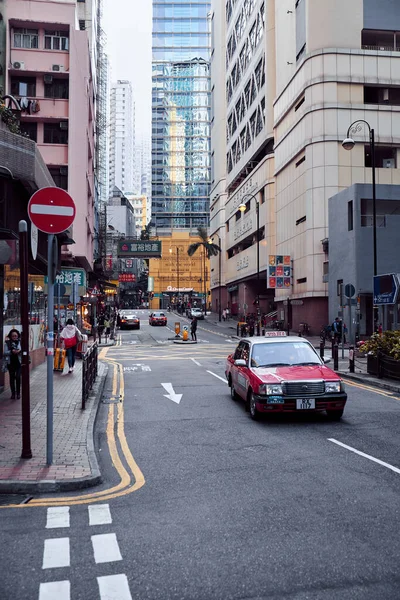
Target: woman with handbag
[70,337]
[12,361]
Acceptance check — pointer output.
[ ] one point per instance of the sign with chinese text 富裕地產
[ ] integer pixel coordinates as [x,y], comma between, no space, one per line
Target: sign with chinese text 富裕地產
[68,277]
[279,274]
[139,249]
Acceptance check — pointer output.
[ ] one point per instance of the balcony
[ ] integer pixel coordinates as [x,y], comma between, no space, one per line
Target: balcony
[54,154]
[38,61]
[50,108]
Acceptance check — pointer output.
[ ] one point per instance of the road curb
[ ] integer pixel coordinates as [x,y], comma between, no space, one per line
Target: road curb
[378,384]
[13,486]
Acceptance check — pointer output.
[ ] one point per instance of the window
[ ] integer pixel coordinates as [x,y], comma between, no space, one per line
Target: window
[54,133]
[339,285]
[29,129]
[381,95]
[301,220]
[56,40]
[302,280]
[60,176]
[300,102]
[385,157]
[300,161]
[380,40]
[23,86]
[350,216]
[82,25]
[59,88]
[26,38]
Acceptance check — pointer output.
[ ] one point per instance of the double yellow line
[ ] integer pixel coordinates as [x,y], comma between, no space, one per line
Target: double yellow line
[131,477]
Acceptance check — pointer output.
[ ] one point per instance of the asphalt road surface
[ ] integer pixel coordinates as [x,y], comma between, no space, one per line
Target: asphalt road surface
[214,506]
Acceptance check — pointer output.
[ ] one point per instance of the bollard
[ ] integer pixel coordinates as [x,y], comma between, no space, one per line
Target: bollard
[321,349]
[237,329]
[335,357]
[351,359]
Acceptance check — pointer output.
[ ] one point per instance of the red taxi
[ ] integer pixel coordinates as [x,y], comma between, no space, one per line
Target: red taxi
[280,373]
[157,318]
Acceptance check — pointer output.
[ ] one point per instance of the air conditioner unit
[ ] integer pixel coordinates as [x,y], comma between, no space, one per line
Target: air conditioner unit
[48,78]
[18,65]
[64,125]
[389,163]
[58,68]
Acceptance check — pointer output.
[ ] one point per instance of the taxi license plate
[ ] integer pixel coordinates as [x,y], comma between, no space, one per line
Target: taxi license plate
[305,403]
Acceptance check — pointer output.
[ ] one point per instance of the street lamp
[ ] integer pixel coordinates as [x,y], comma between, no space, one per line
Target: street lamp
[348,144]
[242,208]
[219,275]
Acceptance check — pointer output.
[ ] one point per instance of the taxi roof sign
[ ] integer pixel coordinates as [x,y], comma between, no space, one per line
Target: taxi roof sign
[275,334]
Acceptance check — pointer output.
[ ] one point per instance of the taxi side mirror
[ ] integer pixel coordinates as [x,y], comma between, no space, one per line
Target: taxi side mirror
[326,360]
[240,363]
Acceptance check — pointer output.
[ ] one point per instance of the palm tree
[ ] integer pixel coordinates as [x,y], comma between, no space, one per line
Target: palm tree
[209,249]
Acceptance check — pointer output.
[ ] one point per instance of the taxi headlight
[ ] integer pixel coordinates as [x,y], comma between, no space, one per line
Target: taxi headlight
[268,389]
[332,387]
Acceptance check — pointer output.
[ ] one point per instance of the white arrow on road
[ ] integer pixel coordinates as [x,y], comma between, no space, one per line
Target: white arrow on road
[170,393]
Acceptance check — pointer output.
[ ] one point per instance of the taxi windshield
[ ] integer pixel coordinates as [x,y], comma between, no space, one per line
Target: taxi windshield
[284,354]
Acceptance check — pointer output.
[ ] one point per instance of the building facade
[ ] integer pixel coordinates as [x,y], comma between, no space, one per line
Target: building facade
[180,115]
[293,116]
[122,137]
[50,76]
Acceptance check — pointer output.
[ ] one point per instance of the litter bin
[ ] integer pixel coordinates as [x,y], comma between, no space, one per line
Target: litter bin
[82,346]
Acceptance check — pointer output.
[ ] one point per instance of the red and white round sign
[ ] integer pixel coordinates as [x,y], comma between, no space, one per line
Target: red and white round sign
[52,210]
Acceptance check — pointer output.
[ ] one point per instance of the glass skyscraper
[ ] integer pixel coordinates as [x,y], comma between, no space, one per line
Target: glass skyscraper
[181,114]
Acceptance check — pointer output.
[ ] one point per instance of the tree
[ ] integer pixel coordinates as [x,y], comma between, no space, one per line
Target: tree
[209,247]
[146,232]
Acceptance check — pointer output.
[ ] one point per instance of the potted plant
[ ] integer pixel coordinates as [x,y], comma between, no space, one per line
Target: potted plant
[383,354]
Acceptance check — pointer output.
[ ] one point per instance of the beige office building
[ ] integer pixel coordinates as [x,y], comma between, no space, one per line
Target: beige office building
[324,65]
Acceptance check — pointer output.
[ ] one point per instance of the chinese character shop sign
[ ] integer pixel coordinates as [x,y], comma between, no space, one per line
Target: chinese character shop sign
[279,272]
[127,277]
[138,249]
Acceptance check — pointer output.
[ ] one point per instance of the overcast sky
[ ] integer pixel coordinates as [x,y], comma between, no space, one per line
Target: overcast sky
[127,24]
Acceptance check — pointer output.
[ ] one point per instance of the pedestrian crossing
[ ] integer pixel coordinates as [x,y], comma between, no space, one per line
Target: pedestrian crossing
[106,551]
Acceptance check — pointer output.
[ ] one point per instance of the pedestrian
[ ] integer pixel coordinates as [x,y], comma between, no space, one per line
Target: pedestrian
[227,313]
[224,314]
[193,329]
[107,328]
[70,336]
[12,354]
[100,326]
[337,330]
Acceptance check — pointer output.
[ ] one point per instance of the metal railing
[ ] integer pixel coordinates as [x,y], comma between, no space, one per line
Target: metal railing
[89,372]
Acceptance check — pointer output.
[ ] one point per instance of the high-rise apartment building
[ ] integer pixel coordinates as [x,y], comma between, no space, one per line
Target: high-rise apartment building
[122,137]
[180,115]
[293,88]
[50,75]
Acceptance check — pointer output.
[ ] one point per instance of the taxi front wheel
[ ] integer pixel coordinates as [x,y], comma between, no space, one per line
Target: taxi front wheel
[254,414]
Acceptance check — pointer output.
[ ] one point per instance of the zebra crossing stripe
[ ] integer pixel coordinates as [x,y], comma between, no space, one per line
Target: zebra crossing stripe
[55,589]
[56,553]
[105,548]
[114,587]
[57,516]
[99,514]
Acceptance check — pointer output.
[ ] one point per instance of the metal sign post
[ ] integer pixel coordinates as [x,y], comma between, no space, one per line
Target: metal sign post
[50,347]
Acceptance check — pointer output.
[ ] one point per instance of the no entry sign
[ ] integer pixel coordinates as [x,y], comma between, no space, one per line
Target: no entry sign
[52,210]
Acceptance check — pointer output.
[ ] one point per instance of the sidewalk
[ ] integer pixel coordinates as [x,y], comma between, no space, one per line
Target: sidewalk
[74,461]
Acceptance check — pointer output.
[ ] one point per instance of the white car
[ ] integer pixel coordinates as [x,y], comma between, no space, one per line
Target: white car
[197,312]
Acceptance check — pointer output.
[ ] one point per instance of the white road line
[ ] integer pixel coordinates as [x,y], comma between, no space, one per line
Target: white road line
[56,553]
[105,548]
[215,375]
[57,516]
[55,589]
[195,362]
[99,514]
[380,462]
[114,587]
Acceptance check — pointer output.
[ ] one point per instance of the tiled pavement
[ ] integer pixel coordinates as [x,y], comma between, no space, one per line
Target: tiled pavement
[74,461]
